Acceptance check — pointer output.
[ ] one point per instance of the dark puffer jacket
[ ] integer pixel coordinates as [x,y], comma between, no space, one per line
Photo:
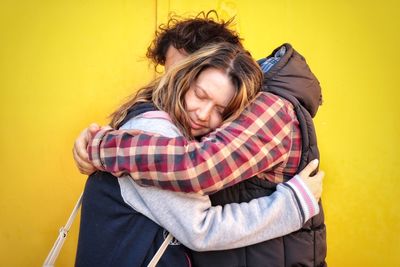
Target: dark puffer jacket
[291,79]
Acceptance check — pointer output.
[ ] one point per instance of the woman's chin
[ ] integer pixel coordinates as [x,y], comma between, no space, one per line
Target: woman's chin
[199,132]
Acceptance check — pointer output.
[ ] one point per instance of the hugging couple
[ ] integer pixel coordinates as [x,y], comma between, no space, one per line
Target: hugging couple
[218,151]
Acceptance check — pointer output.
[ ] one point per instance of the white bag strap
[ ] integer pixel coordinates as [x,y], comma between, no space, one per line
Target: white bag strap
[63,232]
[160,251]
[53,254]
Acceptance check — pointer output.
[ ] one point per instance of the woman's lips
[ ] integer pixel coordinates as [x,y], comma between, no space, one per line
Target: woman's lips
[196,126]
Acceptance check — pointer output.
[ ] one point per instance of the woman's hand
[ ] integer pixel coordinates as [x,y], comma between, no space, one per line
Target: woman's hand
[79,151]
[314,183]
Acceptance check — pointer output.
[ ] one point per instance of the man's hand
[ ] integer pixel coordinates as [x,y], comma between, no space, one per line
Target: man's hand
[314,183]
[79,151]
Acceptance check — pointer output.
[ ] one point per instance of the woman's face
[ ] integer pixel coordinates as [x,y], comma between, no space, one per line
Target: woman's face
[207,99]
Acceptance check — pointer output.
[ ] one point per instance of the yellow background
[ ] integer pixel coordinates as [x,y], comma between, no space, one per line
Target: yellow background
[65,64]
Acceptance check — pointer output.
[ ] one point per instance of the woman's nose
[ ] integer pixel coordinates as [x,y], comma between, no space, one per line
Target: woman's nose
[204,112]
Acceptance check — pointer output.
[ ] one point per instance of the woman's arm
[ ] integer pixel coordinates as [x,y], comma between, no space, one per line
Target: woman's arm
[258,140]
[192,220]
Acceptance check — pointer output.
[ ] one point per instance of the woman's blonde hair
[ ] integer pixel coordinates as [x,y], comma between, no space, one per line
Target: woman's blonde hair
[168,92]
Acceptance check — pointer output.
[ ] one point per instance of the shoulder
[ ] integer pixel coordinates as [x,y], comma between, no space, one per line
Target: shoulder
[272,103]
[156,114]
[158,122]
[272,99]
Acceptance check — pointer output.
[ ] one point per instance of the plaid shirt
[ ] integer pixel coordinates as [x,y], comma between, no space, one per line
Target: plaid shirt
[265,138]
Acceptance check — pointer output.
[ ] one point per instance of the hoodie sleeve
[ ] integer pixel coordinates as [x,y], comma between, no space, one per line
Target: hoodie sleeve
[192,220]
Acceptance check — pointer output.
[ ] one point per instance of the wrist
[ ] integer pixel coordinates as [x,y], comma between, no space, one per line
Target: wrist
[305,198]
[94,145]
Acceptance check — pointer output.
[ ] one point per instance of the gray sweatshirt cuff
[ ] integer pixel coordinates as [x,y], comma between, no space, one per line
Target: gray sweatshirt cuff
[306,201]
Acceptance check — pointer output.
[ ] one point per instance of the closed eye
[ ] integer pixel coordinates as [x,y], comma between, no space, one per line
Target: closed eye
[200,93]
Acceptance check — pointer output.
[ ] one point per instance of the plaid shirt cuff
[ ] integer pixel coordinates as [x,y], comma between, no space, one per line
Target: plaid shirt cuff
[306,200]
[94,150]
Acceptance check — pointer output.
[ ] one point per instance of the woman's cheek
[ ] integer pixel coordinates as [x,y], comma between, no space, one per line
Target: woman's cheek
[216,122]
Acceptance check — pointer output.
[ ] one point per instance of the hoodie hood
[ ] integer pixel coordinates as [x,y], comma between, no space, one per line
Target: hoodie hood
[291,75]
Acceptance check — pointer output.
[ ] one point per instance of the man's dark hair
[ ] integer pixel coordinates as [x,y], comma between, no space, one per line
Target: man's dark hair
[190,35]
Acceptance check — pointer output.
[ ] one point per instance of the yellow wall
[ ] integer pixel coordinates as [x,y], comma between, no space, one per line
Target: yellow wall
[64,64]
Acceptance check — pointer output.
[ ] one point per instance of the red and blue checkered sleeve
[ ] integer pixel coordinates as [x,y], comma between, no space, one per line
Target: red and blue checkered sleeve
[258,140]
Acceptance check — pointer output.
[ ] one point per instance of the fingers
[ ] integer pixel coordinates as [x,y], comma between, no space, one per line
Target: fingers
[81,144]
[306,172]
[83,166]
[317,181]
[93,128]
[314,183]
[319,176]
[80,160]
[79,151]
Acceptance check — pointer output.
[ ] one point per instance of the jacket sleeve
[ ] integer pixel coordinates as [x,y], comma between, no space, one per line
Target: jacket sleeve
[256,141]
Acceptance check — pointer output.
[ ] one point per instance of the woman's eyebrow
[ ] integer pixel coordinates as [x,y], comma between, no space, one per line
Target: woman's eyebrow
[205,92]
